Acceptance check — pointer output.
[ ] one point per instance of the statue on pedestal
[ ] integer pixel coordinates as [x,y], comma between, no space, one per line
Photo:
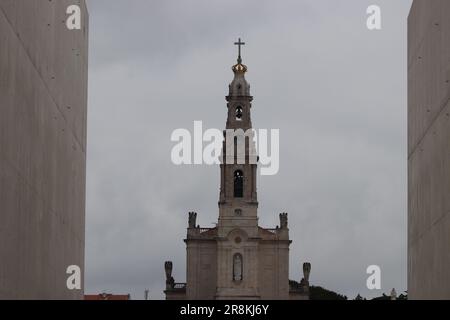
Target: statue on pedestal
[170,281]
[192,219]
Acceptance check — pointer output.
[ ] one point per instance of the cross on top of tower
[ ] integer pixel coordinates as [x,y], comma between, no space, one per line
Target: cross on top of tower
[239,44]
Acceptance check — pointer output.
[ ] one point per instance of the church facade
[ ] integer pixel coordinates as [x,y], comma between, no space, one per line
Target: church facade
[237,259]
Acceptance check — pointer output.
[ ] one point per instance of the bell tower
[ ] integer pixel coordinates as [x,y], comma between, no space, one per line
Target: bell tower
[238,204]
[237,259]
[238,197]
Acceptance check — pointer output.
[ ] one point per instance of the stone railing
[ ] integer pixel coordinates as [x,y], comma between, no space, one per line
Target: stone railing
[199,232]
[180,285]
[300,287]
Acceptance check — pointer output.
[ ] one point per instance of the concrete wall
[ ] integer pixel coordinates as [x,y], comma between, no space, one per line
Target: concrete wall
[43,101]
[429,150]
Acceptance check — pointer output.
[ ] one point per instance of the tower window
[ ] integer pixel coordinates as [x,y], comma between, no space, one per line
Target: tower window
[239,113]
[238,184]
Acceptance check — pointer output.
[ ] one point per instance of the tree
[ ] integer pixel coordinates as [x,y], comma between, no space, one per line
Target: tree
[319,293]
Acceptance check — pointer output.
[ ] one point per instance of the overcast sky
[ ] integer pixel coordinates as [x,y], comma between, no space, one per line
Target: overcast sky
[336,91]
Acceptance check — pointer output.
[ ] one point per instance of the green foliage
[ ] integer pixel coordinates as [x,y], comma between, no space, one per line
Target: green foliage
[403,296]
[383,297]
[319,293]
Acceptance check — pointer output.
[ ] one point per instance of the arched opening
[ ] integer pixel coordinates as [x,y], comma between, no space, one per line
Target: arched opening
[239,113]
[238,184]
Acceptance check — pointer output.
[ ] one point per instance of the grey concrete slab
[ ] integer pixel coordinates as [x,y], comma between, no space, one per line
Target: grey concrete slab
[43,107]
[429,150]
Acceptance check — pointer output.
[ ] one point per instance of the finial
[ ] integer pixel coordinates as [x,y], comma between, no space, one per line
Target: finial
[239,68]
[283,220]
[239,44]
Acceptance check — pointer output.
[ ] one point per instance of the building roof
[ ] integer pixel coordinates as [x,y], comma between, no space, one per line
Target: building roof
[107,296]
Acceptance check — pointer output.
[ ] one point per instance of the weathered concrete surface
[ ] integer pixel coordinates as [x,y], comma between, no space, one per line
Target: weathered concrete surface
[43,104]
[429,150]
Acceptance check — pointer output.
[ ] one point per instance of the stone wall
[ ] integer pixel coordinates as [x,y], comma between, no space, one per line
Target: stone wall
[201,271]
[274,270]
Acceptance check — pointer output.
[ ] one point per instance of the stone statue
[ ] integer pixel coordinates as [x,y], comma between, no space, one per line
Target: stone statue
[393,294]
[304,283]
[283,220]
[170,281]
[306,271]
[192,219]
[237,267]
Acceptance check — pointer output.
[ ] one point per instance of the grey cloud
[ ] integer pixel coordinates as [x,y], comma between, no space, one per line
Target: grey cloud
[336,91]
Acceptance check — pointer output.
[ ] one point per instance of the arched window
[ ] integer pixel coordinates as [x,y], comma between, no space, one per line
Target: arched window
[237,267]
[238,184]
[239,113]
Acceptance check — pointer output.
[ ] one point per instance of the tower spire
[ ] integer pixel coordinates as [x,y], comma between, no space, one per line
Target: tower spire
[239,44]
